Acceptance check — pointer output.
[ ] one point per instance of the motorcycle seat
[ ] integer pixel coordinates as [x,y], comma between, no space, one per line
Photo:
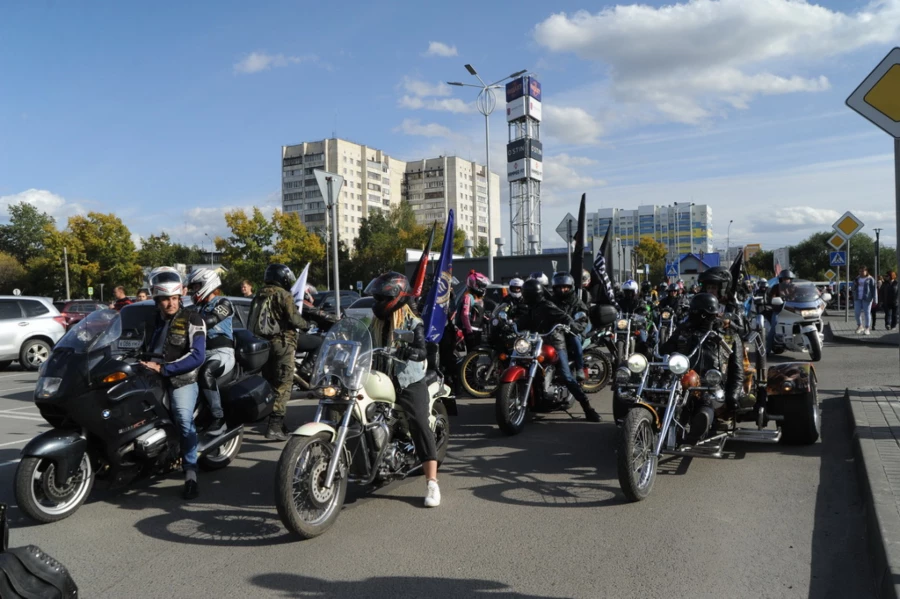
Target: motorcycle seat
[229,377]
[308,343]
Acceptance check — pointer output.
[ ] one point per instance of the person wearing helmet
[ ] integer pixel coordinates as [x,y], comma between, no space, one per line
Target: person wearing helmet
[585,294]
[512,301]
[323,319]
[566,297]
[217,312]
[674,300]
[717,281]
[392,311]
[274,317]
[718,352]
[470,314]
[631,302]
[781,289]
[540,314]
[178,342]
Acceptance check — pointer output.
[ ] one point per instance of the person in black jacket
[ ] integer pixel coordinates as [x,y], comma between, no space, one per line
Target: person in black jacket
[889,297]
[716,353]
[540,315]
[565,297]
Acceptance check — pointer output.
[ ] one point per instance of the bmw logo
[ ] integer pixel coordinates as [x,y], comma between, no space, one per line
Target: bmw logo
[105,414]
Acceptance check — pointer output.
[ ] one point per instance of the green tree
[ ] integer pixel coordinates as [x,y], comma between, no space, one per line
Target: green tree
[481,249]
[156,250]
[649,251]
[12,273]
[761,264]
[46,272]
[23,237]
[247,250]
[294,244]
[109,253]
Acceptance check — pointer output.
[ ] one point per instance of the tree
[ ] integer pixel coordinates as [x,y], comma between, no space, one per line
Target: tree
[247,250]
[46,272]
[481,249]
[649,251]
[109,253]
[761,264]
[294,244]
[159,250]
[23,237]
[12,273]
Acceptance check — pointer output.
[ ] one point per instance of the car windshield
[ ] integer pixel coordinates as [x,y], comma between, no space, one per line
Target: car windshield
[345,357]
[95,331]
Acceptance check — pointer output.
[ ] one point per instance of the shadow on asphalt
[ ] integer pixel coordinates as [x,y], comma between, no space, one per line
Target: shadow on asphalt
[399,587]
[27,396]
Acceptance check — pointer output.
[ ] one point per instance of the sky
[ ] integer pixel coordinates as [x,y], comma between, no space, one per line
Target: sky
[171,114]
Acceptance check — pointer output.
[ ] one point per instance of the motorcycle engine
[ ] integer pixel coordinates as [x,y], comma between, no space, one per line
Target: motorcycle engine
[150,444]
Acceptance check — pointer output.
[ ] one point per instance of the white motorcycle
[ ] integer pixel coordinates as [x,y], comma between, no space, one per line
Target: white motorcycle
[359,435]
[799,325]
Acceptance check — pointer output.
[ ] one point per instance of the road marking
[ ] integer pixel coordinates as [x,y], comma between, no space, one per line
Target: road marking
[21,417]
[18,388]
[15,442]
[9,463]
[17,409]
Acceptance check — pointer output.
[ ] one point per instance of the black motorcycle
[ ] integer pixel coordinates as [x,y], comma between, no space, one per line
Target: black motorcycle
[111,418]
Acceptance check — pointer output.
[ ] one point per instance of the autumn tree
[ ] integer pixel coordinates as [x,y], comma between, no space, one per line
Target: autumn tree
[12,273]
[649,251]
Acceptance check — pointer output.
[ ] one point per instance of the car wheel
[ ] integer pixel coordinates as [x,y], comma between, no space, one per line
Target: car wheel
[34,353]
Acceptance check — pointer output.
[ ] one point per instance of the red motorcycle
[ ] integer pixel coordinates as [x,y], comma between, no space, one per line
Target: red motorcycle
[532,381]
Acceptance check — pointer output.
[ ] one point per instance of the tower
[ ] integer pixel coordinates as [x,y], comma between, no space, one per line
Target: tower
[524,168]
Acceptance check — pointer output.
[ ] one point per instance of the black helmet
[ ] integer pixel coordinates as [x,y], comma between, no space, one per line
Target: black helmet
[533,292]
[787,273]
[646,287]
[717,275]
[673,288]
[281,275]
[561,280]
[703,310]
[390,292]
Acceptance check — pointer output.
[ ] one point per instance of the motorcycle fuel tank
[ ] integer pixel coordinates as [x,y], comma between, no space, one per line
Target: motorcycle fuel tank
[379,387]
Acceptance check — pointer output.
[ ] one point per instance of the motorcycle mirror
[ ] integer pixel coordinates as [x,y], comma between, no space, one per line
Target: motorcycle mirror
[404,335]
[777,302]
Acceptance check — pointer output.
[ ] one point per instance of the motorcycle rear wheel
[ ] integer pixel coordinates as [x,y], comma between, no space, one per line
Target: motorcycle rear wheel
[222,455]
[473,372]
[634,455]
[510,407]
[306,508]
[599,370]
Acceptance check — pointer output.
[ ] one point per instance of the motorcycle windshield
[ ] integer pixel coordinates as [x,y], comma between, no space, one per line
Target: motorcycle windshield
[345,357]
[96,331]
[803,293]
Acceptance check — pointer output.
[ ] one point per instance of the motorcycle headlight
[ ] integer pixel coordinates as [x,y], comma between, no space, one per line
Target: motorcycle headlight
[678,364]
[522,346]
[623,375]
[712,378]
[622,324]
[667,315]
[637,363]
[47,386]
[812,313]
[330,391]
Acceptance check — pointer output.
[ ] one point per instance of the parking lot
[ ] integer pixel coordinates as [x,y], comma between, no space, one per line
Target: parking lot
[19,419]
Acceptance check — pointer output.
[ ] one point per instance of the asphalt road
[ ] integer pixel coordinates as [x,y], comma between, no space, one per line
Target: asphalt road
[538,515]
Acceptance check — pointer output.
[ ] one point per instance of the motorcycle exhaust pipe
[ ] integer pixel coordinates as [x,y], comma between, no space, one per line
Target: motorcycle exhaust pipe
[220,440]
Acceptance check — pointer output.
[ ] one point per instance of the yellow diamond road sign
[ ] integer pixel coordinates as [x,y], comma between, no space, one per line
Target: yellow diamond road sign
[848,225]
[830,274]
[836,241]
[878,97]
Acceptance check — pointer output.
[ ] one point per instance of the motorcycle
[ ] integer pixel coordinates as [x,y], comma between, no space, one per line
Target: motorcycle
[358,435]
[532,381]
[666,324]
[667,393]
[630,328]
[110,415]
[799,326]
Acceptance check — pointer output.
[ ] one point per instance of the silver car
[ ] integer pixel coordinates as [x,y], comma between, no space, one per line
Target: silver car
[29,328]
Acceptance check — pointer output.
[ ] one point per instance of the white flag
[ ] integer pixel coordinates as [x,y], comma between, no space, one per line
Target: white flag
[299,287]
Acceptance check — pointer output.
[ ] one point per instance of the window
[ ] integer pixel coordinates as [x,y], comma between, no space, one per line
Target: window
[33,308]
[293,161]
[373,187]
[9,309]
[315,157]
[297,195]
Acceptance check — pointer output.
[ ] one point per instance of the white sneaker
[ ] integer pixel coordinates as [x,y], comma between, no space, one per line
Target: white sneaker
[433,496]
[859,330]
[868,332]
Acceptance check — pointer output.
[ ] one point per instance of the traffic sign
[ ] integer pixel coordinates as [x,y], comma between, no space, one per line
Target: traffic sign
[836,241]
[90,291]
[359,285]
[567,227]
[830,274]
[17,292]
[671,271]
[838,258]
[848,225]
[878,97]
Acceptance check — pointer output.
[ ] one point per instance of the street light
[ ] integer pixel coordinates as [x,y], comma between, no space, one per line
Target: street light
[690,222]
[211,248]
[877,251]
[486,102]
[728,240]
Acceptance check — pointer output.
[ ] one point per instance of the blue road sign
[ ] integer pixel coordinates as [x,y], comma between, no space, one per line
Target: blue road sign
[838,258]
[671,271]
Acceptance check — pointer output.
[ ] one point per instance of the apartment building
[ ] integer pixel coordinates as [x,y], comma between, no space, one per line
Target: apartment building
[683,228]
[433,186]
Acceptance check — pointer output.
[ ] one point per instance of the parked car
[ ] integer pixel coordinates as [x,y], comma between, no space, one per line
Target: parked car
[75,310]
[29,328]
[325,300]
[361,309]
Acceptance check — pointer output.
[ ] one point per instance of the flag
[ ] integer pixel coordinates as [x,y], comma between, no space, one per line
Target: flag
[737,273]
[299,287]
[437,302]
[600,279]
[578,251]
[418,278]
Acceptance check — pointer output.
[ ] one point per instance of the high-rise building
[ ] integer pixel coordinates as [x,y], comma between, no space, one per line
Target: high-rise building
[432,186]
[372,182]
[683,228]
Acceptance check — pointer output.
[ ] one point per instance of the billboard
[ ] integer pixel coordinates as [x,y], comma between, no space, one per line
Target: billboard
[524,148]
[523,86]
[535,169]
[522,169]
[523,106]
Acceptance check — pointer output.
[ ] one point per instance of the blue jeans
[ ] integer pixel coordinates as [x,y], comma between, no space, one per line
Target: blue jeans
[770,336]
[866,309]
[184,400]
[571,384]
[574,346]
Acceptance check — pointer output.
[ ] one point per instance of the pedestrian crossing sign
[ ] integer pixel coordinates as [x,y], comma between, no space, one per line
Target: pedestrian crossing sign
[830,274]
[837,241]
[671,271]
[838,258]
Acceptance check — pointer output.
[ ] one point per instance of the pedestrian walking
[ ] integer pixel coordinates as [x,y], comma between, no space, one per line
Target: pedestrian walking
[889,297]
[863,296]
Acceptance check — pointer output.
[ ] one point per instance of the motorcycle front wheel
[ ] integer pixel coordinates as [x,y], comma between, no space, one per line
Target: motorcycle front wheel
[635,461]
[815,346]
[38,494]
[599,369]
[480,373]
[510,407]
[306,508]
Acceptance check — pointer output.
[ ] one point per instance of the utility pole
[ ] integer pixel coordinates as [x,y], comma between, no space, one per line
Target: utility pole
[66,261]
[101,293]
[877,251]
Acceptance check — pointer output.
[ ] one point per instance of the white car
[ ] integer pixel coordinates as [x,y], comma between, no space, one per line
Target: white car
[29,328]
[361,309]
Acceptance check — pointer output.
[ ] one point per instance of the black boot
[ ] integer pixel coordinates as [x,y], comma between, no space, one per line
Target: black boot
[590,414]
[275,430]
[216,427]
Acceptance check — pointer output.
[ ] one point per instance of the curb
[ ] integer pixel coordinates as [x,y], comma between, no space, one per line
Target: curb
[882,516]
[859,339]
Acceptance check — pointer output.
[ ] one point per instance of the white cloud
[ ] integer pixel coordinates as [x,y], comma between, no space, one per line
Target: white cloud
[414,127]
[421,95]
[563,175]
[45,201]
[423,89]
[693,60]
[440,49]
[256,62]
[570,125]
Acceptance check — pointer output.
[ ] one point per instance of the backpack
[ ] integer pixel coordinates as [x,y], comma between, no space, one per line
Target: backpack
[265,324]
[29,573]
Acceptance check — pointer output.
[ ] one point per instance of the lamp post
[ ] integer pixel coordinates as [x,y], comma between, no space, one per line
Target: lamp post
[486,102]
[212,245]
[877,251]
[728,240]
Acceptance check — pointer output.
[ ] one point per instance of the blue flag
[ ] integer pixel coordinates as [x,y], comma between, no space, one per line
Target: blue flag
[437,302]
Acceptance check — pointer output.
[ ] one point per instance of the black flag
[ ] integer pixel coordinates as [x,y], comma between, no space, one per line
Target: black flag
[600,279]
[578,251]
[737,273]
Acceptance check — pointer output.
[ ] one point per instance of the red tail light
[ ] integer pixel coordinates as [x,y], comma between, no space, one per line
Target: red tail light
[61,320]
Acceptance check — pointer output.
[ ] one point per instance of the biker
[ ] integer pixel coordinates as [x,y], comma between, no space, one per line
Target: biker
[323,319]
[716,353]
[585,291]
[647,292]
[674,300]
[392,311]
[785,284]
[630,302]
[513,299]
[565,297]
[217,312]
[274,317]
[470,314]
[179,342]
[541,315]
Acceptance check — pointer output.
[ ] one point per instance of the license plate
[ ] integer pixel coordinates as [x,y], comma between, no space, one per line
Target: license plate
[130,343]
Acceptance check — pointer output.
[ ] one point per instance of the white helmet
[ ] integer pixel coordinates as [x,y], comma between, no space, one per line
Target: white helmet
[202,283]
[585,278]
[165,281]
[630,285]
[517,282]
[540,277]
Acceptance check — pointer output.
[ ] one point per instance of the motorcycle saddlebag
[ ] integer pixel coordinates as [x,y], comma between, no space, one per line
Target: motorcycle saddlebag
[28,572]
[248,400]
[603,315]
[250,351]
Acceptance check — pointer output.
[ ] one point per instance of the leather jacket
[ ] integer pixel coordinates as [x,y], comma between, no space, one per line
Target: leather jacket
[184,347]
[717,352]
[541,317]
